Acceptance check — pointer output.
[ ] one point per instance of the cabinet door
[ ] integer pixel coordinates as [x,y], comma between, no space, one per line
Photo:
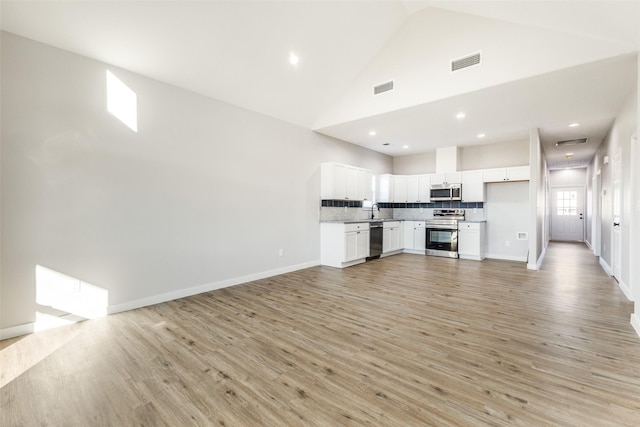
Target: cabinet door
[424,185]
[519,173]
[350,246]
[408,234]
[339,182]
[436,178]
[473,187]
[394,237]
[469,242]
[364,184]
[384,188]
[351,183]
[495,175]
[386,240]
[362,250]
[413,188]
[419,238]
[453,177]
[400,189]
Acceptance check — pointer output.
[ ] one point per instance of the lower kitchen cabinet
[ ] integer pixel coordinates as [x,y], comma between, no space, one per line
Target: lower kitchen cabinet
[342,245]
[392,237]
[471,240]
[415,237]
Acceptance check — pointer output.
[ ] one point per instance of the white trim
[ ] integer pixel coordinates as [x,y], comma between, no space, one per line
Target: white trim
[507,257]
[605,266]
[635,322]
[625,290]
[16,331]
[538,265]
[28,328]
[182,293]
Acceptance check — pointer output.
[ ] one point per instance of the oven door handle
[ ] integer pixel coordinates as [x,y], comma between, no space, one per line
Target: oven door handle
[441,227]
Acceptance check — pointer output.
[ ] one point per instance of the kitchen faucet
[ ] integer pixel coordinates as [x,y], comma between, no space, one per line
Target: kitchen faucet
[376,205]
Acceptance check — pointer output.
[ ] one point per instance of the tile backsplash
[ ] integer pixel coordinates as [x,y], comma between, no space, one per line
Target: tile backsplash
[343,210]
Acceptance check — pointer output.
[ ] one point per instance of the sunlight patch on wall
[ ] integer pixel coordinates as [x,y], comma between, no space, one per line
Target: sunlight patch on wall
[76,299]
[122,102]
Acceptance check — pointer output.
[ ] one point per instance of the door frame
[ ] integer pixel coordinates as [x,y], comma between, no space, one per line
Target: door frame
[583,190]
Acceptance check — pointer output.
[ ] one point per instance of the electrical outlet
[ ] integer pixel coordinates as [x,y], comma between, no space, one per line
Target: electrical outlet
[507,243]
[76,286]
[421,210]
[280,252]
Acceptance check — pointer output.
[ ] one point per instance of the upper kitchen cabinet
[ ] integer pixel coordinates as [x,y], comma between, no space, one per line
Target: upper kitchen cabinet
[385,184]
[410,189]
[344,182]
[473,188]
[418,188]
[517,173]
[446,178]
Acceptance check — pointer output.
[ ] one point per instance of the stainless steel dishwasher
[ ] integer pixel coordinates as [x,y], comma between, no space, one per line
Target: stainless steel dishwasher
[375,239]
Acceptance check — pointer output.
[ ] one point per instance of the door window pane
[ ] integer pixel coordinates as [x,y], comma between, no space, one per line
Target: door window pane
[567,203]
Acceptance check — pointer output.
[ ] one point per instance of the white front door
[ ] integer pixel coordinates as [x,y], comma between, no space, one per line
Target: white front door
[567,214]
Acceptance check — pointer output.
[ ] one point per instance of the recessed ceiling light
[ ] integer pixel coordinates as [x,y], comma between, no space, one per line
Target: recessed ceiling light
[405,146]
[293,58]
[372,133]
[481,135]
[574,125]
[460,116]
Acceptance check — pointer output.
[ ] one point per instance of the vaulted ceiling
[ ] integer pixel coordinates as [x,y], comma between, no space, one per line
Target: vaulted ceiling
[543,64]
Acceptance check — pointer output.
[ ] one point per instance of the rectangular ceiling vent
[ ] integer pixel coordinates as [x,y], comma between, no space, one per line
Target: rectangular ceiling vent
[466,62]
[571,142]
[384,87]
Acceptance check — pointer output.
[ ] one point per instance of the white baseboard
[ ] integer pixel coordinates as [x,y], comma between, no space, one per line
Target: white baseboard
[28,328]
[605,267]
[182,293]
[625,290]
[538,264]
[635,322]
[507,257]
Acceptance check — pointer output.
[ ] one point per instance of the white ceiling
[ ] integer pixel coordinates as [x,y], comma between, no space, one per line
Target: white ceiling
[237,51]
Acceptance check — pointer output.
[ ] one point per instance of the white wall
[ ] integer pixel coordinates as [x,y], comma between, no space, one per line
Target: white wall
[618,137]
[473,157]
[498,155]
[507,213]
[415,164]
[203,195]
[568,177]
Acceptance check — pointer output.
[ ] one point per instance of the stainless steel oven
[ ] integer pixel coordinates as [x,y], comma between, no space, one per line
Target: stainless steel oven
[442,232]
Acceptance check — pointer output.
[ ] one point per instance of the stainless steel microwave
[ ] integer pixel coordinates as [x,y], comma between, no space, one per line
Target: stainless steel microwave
[445,192]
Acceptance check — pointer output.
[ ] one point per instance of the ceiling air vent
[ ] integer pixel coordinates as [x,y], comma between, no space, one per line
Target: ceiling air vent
[384,87]
[466,62]
[571,142]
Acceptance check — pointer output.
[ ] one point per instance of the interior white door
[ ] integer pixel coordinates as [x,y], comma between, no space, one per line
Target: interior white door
[567,214]
[616,238]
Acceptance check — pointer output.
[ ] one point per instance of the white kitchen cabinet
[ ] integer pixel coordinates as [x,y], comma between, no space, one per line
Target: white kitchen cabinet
[364,185]
[446,178]
[343,245]
[384,188]
[415,237]
[344,182]
[418,188]
[471,240]
[517,173]
[400,189]
[392,237]
[473,187]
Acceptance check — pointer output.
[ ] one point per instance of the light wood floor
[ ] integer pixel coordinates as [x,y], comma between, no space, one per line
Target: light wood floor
[403,341]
